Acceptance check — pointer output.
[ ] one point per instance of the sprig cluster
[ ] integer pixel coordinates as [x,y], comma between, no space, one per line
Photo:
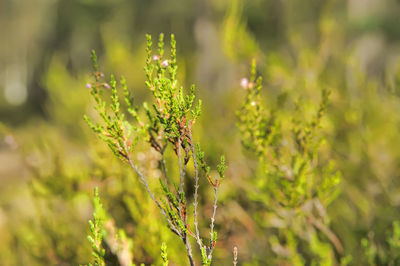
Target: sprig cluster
[294,181]
[290,161]
[168,123]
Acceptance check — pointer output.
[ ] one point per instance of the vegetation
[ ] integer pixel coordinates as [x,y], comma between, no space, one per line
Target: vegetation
[170,122]
[309,134]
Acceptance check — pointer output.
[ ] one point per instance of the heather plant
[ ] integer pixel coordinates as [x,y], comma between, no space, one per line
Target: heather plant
[292,183]
[168,125]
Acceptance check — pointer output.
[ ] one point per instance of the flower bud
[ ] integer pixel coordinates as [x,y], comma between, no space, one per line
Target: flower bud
[244,83]
[164,63]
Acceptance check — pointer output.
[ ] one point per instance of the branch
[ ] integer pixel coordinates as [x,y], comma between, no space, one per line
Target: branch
[196,188]
[213,220]
[181,169]
[146,185]
[329,234]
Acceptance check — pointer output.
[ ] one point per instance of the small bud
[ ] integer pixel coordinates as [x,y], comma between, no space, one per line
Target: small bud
[106,85]
[244,83]
[89,86]
[101,74]
[164,63]
[156,57]
[253,103]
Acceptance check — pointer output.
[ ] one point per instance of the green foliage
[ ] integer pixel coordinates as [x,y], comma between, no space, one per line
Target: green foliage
[97,231]
[394,244]
[293,178]
[383,255]
[50,163]
[289,160]
[164,254]
[169,124]
[109,244]
[222,167]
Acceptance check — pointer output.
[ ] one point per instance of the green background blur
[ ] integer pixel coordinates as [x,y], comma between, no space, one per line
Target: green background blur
[50,161]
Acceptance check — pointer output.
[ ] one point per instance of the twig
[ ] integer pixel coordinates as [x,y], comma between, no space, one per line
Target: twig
[182,169]
[212,221]
[329,234]
[196,188]
[146,185]
[189,250]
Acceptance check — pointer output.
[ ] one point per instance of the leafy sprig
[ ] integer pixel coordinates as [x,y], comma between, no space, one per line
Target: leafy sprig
[97,231]
[168,124]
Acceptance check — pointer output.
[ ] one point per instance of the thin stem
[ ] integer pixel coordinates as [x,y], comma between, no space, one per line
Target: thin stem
[328,233]
[180,191]
[212,221]
[189,251]
[171,225]
[196,188]
[181,170]
[146,185]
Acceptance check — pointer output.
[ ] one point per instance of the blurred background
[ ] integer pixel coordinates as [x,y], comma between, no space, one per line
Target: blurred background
[50,161]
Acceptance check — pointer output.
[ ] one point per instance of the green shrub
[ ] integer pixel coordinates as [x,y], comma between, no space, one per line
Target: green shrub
[168,126]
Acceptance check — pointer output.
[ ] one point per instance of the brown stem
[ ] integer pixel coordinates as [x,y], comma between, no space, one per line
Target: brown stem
[331,236]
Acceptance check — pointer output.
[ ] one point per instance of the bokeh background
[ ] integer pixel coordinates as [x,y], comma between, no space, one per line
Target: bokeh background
[50,161]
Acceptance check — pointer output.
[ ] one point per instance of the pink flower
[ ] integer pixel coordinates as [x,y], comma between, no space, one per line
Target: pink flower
[106,85]
[164,63]
[156,57]
[88,85]
[244,83]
